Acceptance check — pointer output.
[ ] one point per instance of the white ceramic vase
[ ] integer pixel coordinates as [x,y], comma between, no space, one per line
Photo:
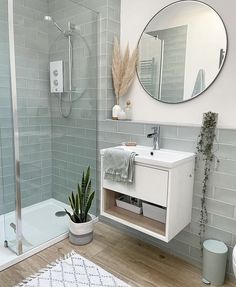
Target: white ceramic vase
[115,112]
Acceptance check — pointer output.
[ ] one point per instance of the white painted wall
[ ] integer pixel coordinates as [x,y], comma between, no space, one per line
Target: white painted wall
[220,97]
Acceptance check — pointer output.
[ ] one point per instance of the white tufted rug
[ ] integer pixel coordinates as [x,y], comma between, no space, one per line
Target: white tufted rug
[73,271]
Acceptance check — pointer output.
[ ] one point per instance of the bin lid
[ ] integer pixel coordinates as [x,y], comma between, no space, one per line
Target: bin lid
[215,246]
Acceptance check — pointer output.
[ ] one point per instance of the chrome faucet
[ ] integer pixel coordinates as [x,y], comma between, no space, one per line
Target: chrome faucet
[156,137]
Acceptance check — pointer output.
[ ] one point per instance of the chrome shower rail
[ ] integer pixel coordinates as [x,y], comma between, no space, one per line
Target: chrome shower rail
[15,131]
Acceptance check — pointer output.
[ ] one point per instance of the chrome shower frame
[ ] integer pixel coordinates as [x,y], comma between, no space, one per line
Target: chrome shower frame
[15,130]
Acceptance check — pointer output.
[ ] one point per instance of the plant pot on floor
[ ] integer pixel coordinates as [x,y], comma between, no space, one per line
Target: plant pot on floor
[82,233]
[81,224]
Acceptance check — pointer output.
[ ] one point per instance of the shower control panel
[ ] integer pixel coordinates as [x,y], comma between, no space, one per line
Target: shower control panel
[56,77]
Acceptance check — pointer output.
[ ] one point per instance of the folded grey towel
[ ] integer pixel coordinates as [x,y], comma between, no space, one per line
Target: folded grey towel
[118,165]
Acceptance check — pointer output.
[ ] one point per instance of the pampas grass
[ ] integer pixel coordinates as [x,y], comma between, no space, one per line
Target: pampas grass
[123,69]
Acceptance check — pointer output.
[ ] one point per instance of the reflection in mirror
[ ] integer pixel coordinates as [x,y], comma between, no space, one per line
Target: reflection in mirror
[182,50]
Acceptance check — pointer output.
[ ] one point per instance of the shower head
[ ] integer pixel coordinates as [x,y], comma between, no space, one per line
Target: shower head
[50,19]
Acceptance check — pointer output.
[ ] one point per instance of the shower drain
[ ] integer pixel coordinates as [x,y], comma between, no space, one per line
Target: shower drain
[60,213]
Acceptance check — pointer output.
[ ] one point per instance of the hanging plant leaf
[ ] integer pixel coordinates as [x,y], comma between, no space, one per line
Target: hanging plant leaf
[205,153]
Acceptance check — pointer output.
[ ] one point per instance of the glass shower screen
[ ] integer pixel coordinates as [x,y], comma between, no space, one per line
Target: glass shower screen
[52,136]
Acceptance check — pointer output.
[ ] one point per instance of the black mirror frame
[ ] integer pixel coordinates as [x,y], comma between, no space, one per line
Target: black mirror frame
[220,69]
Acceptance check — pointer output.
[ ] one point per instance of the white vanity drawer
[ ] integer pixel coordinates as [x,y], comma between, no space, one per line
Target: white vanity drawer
[150,184]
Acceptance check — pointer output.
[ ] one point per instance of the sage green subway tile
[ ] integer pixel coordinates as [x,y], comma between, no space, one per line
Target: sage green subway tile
[222,180]
[6,124]
[225,195]
[114,14]
[4,82]
[188,133]
[115,138]
[63,156]
[86,123]
[33,199]
[6,152]
[215,207]
[168,131]
[141,140]
[60,147]
[90,134]
[106,144]
[28,73]
[47,195]
[188,238]
[73,149]
[68,140]
[63,197]
[213,233]
[5,112]
[7,161]
[7,171]
[31,183]
[58,163]
[233,240]
[8,207]
[227,136]
[175,144]
[59,180]
[83,161]
[36,5]
[130,128]
[182,247]
[227,166]
[30,175]
[45,146]
[226,151]
[8,180]
[46,163]
[196,253]
[46,171]
[225,224]
[197,188]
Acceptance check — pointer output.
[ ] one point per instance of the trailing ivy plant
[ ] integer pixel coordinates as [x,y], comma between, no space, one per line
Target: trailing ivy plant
[205,152]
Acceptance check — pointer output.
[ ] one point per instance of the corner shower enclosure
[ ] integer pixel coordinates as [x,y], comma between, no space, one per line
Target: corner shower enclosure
[47,118]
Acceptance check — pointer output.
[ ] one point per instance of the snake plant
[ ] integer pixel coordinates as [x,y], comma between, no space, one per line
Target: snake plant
[81,200]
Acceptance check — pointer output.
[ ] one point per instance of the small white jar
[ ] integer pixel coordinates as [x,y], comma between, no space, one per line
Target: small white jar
[121,115]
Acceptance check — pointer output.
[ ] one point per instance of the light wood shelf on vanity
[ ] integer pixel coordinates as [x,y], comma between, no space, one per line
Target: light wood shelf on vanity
[138,219]
[171,188]
[130,217]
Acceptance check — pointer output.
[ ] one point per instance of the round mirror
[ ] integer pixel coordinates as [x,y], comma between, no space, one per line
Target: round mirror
[182,50]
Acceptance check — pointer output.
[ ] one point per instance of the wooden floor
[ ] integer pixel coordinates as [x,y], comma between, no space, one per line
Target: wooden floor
[132,260]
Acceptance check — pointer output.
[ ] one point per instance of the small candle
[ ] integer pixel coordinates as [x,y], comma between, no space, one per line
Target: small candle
[121,115]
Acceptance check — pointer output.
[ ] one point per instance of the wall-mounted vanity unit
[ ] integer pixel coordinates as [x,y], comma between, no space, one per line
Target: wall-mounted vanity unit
[162,177]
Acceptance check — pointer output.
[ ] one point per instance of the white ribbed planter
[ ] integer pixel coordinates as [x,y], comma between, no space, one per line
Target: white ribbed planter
[82,233]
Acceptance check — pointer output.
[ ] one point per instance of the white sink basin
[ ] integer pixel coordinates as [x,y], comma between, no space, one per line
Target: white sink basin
[162,158]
